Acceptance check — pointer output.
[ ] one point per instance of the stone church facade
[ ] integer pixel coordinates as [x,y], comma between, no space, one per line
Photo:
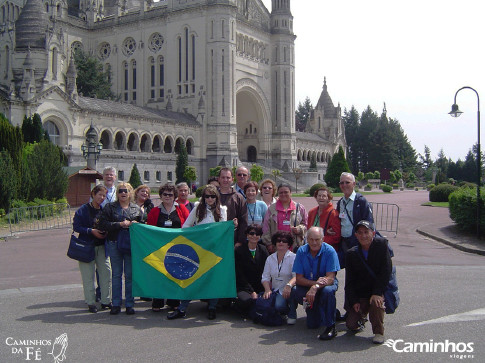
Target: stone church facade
[215,75]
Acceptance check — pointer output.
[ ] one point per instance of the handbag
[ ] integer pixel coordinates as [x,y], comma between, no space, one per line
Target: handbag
[80,250]
[264,311]
[123,241]
[391,295]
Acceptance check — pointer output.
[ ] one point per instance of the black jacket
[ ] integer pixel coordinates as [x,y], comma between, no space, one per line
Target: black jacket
[358,281]
[113,214]
[248,269]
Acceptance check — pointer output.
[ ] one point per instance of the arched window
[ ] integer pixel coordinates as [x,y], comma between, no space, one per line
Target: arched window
[252,154]
[167,147]
[156,144]
[132,142]
[119,141]
[53,131]
[105,140]
[144,144]
[189,146]
[178,144]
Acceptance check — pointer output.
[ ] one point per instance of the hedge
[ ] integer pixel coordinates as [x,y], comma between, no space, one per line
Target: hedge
[440,193]
[463,208]
[386,188]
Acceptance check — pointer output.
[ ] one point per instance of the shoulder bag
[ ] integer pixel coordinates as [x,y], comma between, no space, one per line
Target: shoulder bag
[80,250]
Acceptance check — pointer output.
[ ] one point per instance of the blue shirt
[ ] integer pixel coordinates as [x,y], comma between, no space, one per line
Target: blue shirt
[306,265]
[256,212]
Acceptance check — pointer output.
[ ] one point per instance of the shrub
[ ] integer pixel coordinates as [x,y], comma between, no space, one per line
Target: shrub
[198,192]
[410,185]
[307,191]
[386,188]
[430,186]
[395,186]
[381,186]
[368,186]
[440,193]
[466,184]
[315,187]
[463,208]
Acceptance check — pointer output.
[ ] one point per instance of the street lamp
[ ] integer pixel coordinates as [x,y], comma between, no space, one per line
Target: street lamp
[455,112]
[91,148]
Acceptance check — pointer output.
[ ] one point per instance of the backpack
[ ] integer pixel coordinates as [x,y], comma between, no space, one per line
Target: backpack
[264,311]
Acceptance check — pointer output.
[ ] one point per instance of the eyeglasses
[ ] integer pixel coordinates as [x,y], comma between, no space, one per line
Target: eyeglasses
[167,195]
[253,233]
[278,240]
[211,196]
[241,174]
[344,182]
[122,191]
[267,187]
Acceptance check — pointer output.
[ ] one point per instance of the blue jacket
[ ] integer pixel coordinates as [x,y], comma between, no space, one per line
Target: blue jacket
[83,222]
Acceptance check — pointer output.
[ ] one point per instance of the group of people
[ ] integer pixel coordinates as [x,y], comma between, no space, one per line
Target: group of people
[281,251]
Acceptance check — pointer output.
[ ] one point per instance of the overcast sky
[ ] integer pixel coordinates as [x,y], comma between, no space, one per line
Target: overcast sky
[413,55]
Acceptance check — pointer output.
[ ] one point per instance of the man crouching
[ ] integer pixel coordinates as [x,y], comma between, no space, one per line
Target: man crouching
[316,265]
[364,290]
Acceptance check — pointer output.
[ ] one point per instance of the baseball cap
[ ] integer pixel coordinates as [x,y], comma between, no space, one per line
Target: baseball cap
[366,224]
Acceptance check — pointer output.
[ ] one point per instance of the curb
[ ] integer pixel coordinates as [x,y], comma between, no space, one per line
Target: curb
[451,244]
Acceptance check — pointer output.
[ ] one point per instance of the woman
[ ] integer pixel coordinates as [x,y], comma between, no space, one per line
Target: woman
[207,210]
[325,216]
[285,215]
[142,199]
[278,277]
[268,192]
[250,259]
[116,219]
[183,194]
[84,222]
[169,214]
[256,208]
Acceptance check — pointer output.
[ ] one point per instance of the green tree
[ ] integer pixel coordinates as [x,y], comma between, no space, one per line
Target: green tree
[8,180]
[135,179]
[360,176]
[215,171]
[275,173]
[302,114]
[44,167]
[11,142]
[32,129]
[190,175]
[181,164]
[351,124]
[257,173]
[92,80]
[337,166]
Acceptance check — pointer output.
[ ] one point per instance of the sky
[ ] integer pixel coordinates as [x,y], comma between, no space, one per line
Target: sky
[413,55]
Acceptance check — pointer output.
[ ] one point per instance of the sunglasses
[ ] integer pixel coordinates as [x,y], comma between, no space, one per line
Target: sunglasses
[267,187]
[211,196]
[167,195]
[253,233]
[123,191]
[280,240]
[344,182]
[240,174]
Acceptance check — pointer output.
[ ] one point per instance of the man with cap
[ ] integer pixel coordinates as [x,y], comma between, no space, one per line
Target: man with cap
[364,293]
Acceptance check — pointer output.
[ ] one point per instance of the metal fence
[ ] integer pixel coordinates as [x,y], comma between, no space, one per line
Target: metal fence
[40,217]
[386,217]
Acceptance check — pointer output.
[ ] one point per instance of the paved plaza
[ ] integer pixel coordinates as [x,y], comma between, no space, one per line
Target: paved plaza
[442,301]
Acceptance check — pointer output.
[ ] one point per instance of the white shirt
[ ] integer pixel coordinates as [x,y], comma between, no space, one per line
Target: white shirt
[209,216]
[279,275]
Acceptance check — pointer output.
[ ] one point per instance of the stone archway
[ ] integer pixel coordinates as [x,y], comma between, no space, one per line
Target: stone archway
[252,154]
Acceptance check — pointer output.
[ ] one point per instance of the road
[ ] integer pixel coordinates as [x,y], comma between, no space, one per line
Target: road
[442,301]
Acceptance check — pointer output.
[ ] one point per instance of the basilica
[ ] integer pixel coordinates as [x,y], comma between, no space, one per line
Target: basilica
[217,76]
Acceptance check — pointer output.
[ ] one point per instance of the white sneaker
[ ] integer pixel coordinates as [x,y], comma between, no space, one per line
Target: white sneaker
[378,339]
[291,321]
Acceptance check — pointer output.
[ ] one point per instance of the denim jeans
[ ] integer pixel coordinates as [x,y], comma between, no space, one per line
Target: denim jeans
[282,306]
[323,311]
[120,262]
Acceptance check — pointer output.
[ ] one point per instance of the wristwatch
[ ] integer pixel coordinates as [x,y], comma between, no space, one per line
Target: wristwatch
[288,284]
[317,286]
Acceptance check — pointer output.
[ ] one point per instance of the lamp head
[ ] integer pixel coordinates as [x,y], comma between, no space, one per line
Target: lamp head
[455,111]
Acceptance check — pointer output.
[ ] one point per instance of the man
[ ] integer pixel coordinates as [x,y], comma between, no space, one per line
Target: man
[183,194]
[109,179]
[316,265]
[364,292]
[353,207]
[242,177]
[235,203]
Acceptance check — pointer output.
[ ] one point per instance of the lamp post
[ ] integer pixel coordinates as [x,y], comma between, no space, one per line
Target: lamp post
[91,148]
[455,112]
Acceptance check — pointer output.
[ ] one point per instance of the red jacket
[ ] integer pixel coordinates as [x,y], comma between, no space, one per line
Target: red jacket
[182,212]
[333,222]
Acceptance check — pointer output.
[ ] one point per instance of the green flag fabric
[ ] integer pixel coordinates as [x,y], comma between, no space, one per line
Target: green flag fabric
[186,264]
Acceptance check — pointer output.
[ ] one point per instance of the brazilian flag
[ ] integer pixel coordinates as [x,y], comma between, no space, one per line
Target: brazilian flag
[186,264]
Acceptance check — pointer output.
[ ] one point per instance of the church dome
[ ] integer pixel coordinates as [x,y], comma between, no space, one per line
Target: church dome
[31,26]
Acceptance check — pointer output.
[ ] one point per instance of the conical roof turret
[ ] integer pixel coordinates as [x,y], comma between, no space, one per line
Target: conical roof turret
[31,26]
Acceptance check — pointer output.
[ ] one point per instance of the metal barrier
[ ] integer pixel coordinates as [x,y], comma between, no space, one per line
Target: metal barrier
[386,217]
[40,217]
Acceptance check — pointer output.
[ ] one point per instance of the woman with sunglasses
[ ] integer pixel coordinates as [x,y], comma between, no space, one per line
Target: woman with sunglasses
[268,192]
[278,277]
[169,214]
[116,219]
[256,208]
[207,210]
[250,259]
